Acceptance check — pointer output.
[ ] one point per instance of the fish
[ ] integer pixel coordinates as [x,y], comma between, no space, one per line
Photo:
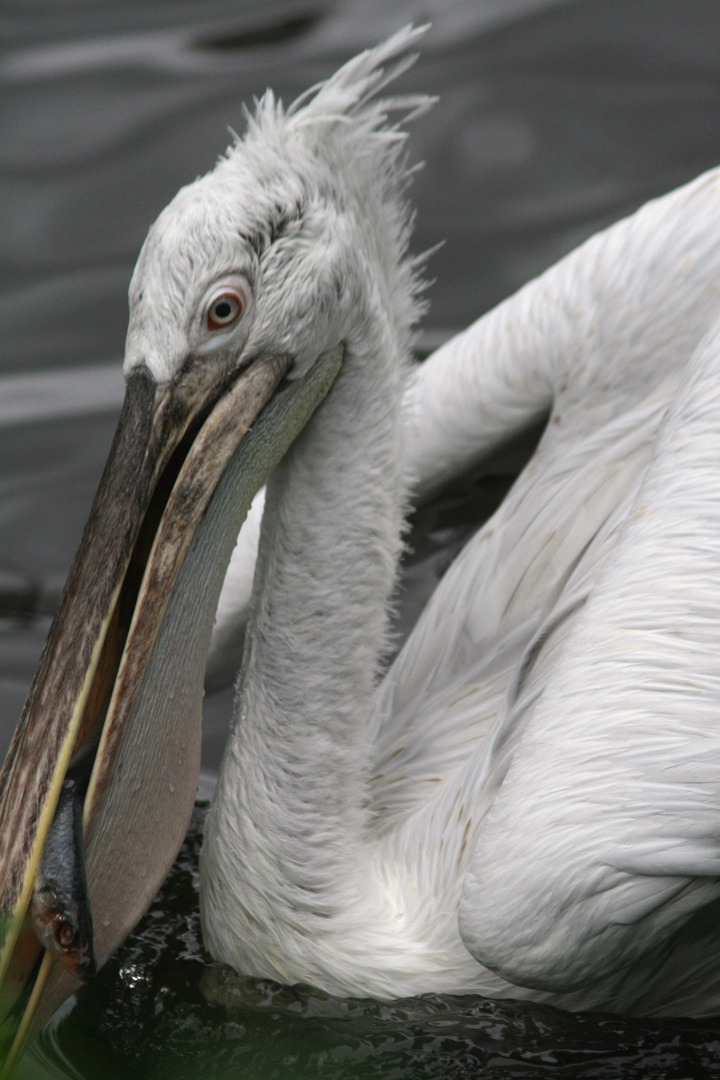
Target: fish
[60,907]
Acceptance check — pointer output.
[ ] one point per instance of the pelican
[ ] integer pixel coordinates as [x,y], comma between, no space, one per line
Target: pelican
[525,803]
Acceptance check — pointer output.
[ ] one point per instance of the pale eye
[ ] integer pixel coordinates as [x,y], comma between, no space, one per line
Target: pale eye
[224,310]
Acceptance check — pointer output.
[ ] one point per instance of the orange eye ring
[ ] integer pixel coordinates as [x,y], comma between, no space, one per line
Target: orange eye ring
[224,309]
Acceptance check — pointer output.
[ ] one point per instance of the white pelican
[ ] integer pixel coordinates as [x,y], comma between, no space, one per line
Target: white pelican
[527,803]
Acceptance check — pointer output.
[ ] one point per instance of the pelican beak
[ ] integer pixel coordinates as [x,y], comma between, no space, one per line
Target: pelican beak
[121,677]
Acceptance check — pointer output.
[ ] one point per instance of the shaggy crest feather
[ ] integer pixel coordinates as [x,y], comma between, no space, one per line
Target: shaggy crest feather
[342,121]
[343,117]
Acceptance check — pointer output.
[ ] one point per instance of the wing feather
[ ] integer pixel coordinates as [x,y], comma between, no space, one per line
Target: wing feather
[603,338]
[605,829]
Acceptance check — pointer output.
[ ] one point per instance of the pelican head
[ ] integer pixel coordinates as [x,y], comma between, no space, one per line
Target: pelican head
[249,289]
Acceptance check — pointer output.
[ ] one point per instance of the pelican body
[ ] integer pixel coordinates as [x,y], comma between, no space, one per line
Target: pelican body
[525,803]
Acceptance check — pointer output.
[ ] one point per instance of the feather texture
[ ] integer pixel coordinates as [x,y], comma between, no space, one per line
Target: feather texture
[526,804]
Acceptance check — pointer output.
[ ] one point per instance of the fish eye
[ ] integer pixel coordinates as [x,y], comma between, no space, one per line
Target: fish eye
[65,935]
[224,309]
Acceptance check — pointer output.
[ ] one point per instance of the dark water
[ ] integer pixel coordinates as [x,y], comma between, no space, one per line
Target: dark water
[159,1010]
[555,118]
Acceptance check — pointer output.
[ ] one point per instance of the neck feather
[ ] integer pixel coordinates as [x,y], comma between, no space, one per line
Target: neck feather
[288,820]
[327,564]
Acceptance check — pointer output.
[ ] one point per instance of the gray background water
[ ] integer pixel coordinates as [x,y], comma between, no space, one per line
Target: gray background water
[555,118]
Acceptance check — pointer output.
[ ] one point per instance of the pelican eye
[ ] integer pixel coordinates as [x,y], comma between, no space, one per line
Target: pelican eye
[224,310]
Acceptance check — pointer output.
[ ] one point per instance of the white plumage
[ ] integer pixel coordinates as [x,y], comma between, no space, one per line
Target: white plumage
[527,804]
